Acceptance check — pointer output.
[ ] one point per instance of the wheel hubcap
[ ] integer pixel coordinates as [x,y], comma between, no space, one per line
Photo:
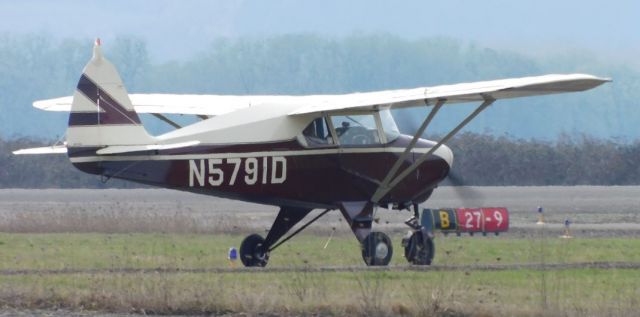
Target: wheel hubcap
[381,251]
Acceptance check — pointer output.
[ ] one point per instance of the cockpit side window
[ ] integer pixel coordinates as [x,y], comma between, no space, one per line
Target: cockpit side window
[317,133]
[360,129]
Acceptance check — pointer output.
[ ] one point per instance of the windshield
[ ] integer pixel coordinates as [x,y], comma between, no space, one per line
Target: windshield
[389,126]
[358,129]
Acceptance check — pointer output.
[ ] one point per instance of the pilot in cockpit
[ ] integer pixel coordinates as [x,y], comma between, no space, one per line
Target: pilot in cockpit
[341,130]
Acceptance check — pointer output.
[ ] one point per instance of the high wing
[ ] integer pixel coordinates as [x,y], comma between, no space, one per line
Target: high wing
[460,93]
[215,105]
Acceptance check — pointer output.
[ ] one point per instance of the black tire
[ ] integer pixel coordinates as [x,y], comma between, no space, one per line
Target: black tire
[377,249]
[252,253]
[420,249]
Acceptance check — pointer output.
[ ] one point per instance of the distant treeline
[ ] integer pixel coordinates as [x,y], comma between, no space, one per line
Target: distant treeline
[34,67]
[479,160]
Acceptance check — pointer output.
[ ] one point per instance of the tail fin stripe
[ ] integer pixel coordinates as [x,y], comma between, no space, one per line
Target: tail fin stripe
[95,119]
[114,113]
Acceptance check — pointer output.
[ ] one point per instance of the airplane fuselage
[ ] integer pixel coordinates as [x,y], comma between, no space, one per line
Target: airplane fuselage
[279,173]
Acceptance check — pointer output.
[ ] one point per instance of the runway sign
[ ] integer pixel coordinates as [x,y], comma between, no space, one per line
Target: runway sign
[469,220]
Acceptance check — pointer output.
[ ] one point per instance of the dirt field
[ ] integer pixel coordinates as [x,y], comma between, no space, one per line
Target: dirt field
[593,210]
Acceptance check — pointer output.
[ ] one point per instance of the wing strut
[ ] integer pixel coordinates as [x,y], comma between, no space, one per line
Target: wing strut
[387,185]
[167,120]
[392,172]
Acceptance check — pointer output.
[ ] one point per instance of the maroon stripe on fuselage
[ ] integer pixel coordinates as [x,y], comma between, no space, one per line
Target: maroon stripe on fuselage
[114,112]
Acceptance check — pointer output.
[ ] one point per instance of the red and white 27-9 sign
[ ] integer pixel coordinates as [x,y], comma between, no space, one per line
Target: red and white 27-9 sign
[482,219]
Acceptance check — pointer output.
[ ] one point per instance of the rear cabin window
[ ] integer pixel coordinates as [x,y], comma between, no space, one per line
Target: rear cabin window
[356,129]
[317,133]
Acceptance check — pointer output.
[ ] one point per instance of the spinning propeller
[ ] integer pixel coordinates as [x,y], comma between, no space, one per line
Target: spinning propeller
[466,194]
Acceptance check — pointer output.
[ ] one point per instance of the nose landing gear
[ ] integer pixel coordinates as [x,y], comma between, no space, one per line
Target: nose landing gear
[419,248]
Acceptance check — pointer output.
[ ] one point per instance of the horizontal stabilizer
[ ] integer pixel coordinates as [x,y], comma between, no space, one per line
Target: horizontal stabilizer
[117,149]
[55,104]
[55,149]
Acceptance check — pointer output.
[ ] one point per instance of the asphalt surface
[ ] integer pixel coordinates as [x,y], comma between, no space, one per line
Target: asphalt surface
[593,210]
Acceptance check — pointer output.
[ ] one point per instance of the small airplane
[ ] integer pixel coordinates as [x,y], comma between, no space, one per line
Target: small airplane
[299,153]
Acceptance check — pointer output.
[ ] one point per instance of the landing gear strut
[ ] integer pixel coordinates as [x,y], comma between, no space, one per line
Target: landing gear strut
[255,250]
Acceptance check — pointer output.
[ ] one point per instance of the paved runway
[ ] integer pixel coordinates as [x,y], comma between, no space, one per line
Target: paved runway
[593,210]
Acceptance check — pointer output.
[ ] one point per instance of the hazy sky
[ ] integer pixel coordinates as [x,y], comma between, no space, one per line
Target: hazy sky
[177,29]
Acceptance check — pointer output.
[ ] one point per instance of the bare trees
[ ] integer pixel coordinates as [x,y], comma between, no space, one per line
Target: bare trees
[483,159]
[480,159]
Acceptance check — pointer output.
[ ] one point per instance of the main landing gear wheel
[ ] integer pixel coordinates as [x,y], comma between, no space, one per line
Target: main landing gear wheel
[377,249]
[419,248]
[252,252]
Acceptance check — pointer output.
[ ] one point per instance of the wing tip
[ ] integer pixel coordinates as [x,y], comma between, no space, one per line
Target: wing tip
[596,78]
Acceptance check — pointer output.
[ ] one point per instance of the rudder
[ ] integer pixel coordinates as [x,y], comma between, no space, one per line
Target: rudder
[101,111]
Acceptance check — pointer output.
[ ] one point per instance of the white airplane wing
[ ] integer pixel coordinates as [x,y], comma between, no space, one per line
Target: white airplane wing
[459,93]
[215,105]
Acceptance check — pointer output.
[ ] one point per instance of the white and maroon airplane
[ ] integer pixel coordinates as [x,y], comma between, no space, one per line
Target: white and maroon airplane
[297,152]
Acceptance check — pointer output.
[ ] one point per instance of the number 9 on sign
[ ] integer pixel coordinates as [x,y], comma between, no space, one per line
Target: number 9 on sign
[496,219]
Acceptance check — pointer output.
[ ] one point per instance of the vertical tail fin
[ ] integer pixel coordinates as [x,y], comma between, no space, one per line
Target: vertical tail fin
[101,112]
